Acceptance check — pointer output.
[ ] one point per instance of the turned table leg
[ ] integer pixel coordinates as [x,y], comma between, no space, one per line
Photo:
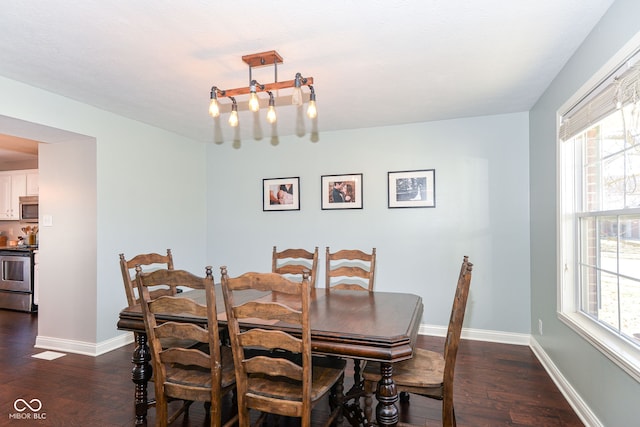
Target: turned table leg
[387,395]
[140,375]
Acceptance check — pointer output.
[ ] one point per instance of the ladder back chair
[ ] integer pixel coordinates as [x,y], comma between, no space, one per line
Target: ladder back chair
[127,267]
[429,373]
[293,262]
[275,371]
[350,269]
[185,372]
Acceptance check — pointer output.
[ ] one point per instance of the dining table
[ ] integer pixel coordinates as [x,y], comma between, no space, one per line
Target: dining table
[376,326]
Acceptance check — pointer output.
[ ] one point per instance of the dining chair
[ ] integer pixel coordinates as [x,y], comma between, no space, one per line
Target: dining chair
[429,373]
[127,267]
[350,269]
[181,372]
[275,371]
[292,262]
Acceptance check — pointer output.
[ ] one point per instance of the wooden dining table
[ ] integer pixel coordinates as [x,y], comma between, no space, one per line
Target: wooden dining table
[377,326]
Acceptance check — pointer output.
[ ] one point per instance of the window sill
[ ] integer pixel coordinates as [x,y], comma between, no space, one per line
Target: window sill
[617,349]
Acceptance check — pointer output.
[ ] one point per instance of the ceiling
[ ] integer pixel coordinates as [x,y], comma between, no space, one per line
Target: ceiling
[374,63]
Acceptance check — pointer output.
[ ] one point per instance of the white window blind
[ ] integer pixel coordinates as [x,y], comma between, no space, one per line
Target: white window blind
[620,88]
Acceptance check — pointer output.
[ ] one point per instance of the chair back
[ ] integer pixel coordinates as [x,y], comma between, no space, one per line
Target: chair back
[454,330]
[350,269]
[293,262]
[182,372]
[127,267]
[264,382]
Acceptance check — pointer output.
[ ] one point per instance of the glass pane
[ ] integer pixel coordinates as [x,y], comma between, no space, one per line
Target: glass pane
[608,313]
[630,307]
[613,181]
[612,133]
[608,243]
[13,270]
[629,262]
[632,183]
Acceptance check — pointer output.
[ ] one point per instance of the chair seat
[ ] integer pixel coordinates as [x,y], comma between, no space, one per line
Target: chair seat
[196,376]
[326,372]
[424,370]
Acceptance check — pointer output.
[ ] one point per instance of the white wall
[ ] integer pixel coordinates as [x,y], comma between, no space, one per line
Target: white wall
[150,195]
[131,188]
[610,393]
[481,210]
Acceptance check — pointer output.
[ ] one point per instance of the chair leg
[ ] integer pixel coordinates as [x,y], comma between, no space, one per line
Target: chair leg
[368,402]
[448,415]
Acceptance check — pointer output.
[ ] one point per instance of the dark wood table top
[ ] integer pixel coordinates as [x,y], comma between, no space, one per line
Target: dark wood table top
[378,326]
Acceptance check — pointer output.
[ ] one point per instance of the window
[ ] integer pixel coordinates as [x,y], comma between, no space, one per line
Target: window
[599,148]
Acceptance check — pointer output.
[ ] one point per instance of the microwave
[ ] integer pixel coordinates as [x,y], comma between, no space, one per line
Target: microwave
[29,208]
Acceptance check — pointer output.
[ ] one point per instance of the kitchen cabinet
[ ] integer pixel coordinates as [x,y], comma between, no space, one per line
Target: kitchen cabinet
[5,196]
[32,183]
[13,185]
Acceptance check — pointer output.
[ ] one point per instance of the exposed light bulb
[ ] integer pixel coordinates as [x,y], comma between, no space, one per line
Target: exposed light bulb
[254,102]
[271,112]
[214,108]
[233,118]
[312,111]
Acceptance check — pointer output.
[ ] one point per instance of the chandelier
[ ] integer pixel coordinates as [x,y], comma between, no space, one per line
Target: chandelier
[270,58]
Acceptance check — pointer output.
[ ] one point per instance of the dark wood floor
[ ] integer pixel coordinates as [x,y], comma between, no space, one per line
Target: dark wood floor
[496,385]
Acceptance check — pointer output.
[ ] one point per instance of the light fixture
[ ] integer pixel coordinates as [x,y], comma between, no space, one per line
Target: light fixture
[233,118]
[271,111]
[214,106]
[270,58]
[296,98]
[254,102]
[312,111]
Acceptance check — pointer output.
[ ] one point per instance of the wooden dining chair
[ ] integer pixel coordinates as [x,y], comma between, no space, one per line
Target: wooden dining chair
[127,267]
[181,372]
[350,269]
[429,373]
[275,371]
[292,262]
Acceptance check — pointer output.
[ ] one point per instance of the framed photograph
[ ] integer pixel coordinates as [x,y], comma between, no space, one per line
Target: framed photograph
[281,194]
[412,189]
[341,191]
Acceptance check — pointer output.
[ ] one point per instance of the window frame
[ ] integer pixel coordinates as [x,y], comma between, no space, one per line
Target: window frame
[617,348]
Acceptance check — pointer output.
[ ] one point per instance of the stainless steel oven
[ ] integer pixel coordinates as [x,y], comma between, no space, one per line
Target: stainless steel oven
[16,280]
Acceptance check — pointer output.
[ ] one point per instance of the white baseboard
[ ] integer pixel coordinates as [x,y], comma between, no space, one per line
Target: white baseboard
[582,409]
[478,335]
[82,347]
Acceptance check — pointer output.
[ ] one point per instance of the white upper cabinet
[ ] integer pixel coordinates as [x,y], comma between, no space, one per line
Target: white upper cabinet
[13,185]
[32,183]
[5,196]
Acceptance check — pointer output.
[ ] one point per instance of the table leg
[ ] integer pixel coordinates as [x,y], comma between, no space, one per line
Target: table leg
[387,395]
[140,375]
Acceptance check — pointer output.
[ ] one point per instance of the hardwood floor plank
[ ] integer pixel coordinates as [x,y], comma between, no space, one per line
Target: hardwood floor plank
[495,385]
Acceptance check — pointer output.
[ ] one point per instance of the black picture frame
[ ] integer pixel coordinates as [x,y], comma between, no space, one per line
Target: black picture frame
[281,194]
[412,189]
[341,191]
